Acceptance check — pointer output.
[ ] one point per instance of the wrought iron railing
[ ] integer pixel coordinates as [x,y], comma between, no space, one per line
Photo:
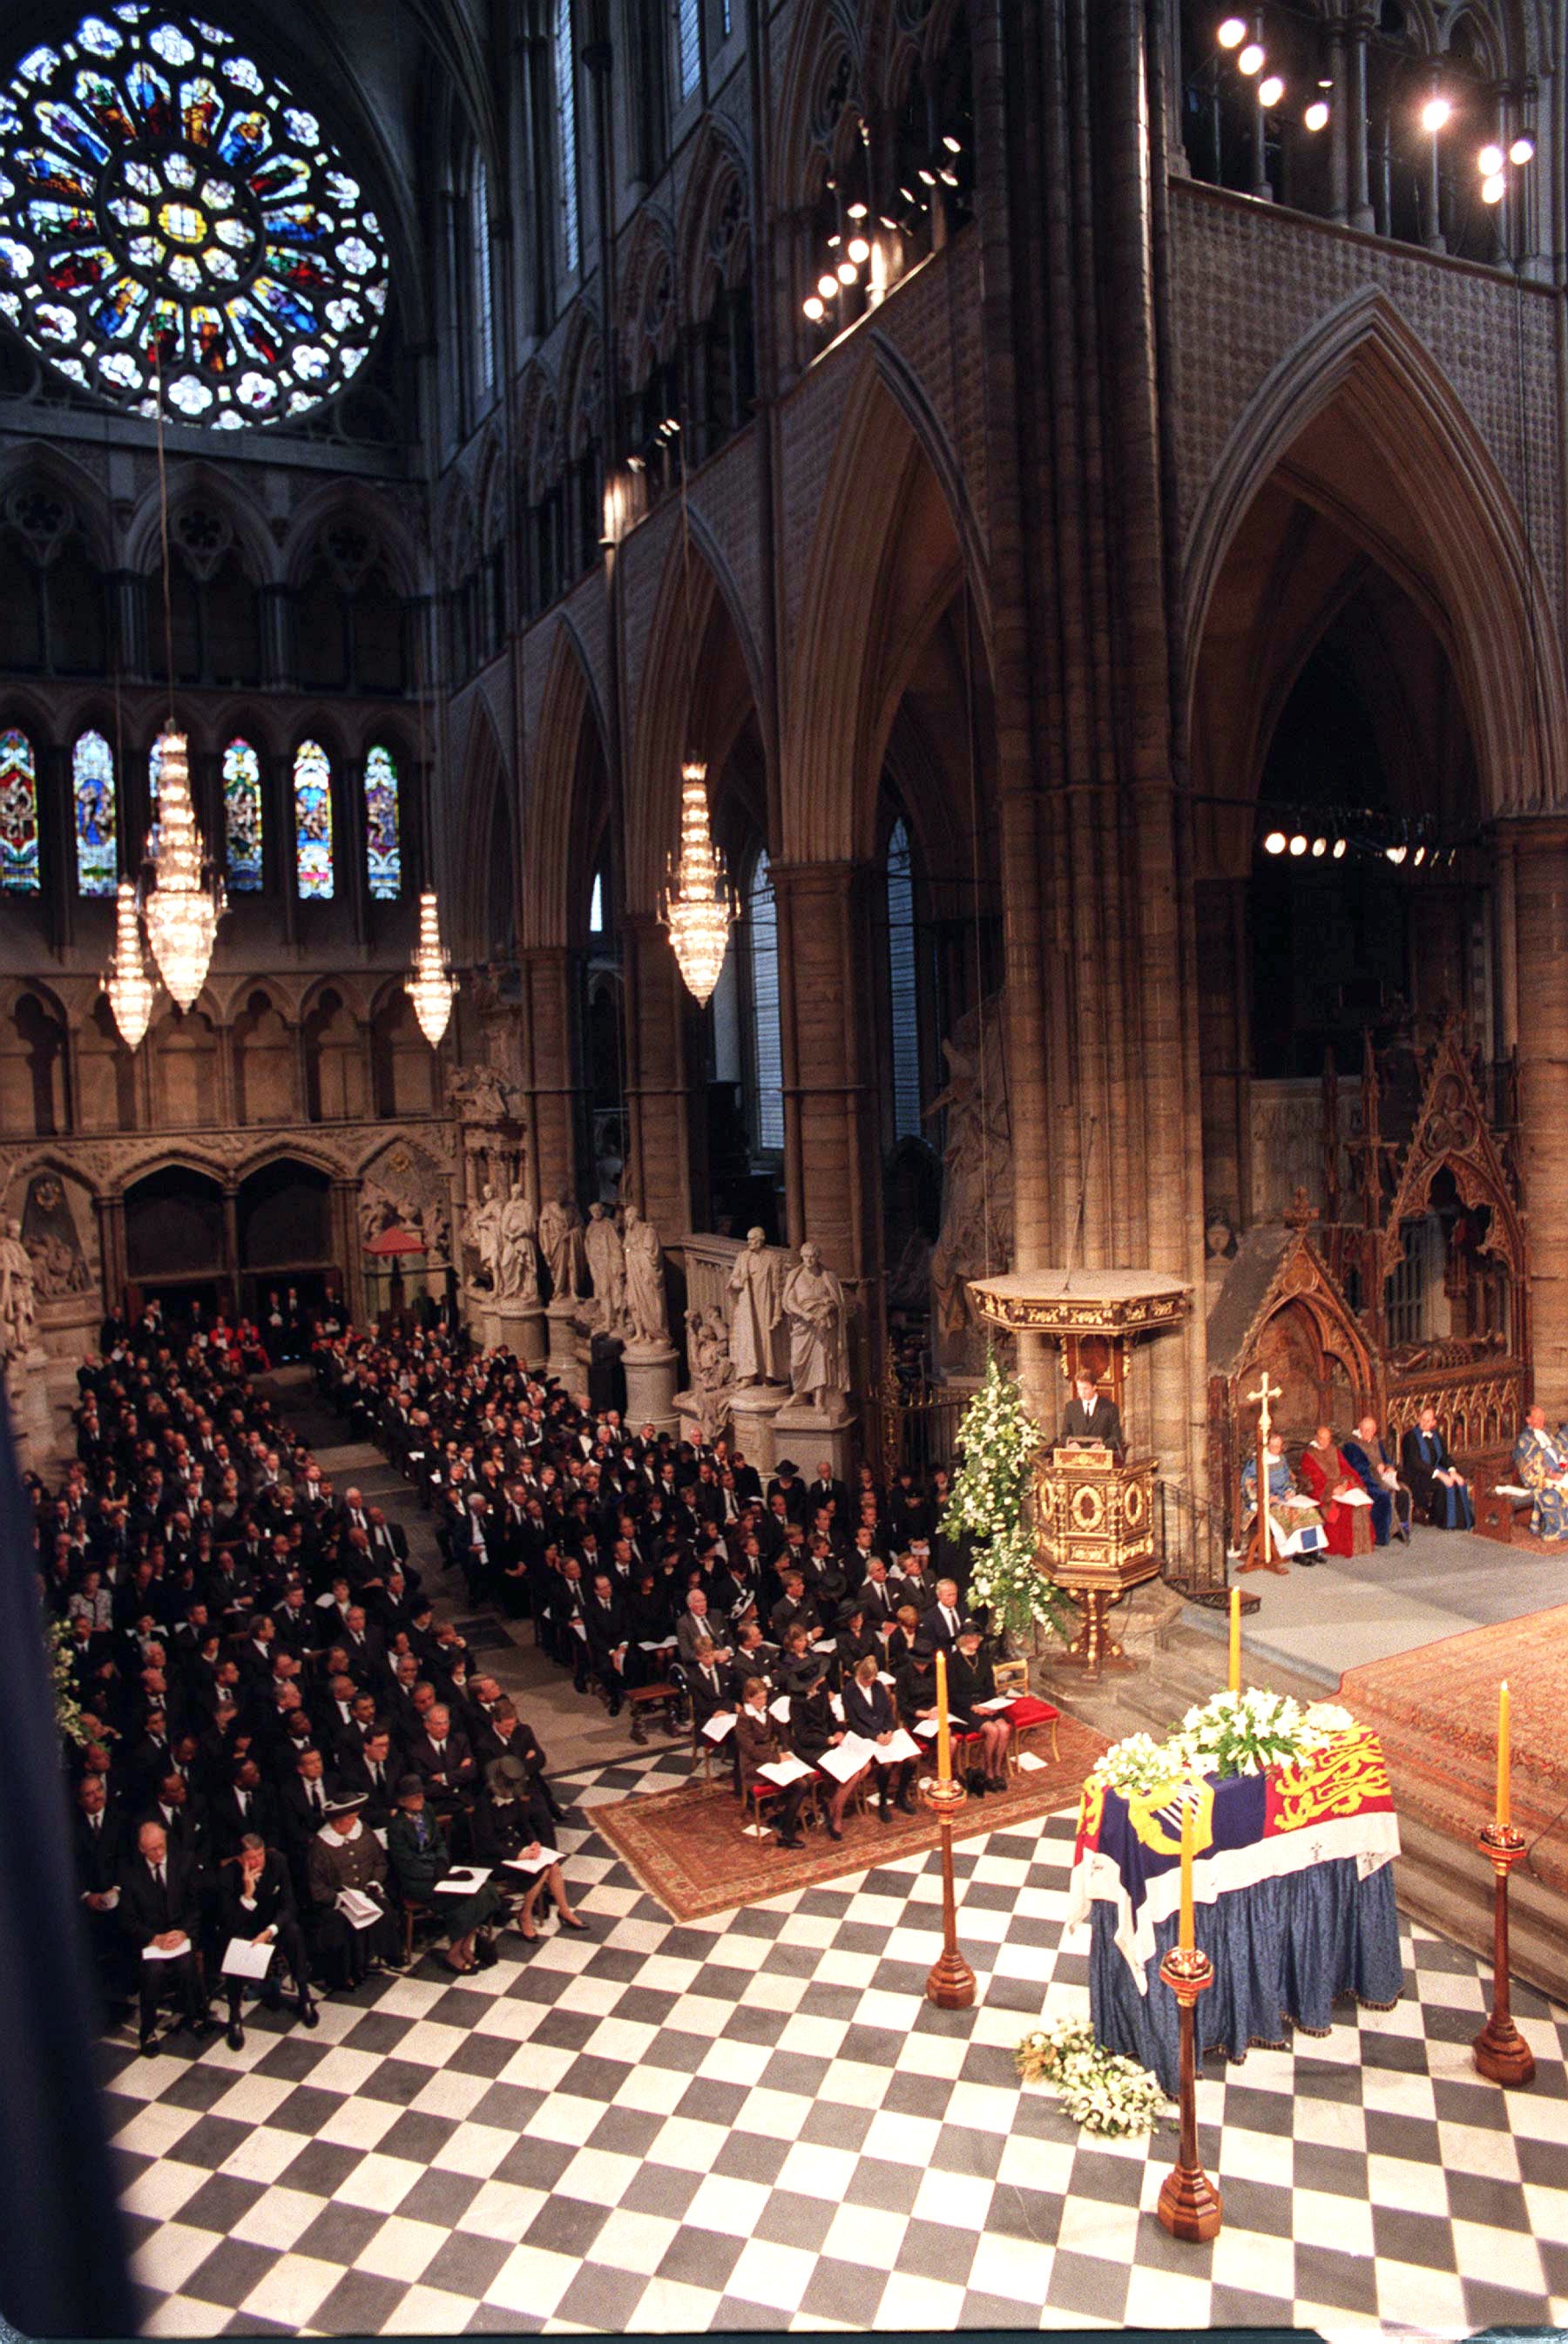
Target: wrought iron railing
[1189,1535]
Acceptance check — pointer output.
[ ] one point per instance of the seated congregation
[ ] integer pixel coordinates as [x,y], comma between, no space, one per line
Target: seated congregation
[282,1754]
[794,1631]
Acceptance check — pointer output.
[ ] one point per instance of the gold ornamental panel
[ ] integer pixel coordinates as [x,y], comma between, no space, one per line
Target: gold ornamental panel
[1094,1519]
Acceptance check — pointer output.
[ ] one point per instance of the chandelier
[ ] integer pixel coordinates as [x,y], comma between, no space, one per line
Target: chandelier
[125,980]
[186,901]
[699,908]
[432,985]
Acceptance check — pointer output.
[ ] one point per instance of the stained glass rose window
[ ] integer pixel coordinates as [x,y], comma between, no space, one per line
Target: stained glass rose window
[169,213]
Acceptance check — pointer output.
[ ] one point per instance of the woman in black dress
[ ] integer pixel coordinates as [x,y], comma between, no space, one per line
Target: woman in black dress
[812,1730]
[869,1711]
[971,1680]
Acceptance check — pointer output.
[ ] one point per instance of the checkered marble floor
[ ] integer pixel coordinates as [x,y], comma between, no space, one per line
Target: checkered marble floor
[758,2121]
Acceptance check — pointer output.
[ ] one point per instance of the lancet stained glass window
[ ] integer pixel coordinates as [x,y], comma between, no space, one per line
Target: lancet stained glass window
[92,790]
[242,817]
[169,214]
[19,815]
[763,932]
[313,822]
[383,834]
[565,63]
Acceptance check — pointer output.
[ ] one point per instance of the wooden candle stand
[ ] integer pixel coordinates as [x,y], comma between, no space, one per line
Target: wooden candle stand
[1189,2205]
[951,1984]
[1499,2051]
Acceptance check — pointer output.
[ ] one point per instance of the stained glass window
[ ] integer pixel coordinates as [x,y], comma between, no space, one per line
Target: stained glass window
[383,834]
[167,212]
[242,817]
[566,135]
[903,984]
[19,815]
[93,789]
[480,291]
[313,822]
[689,46]
[762,935]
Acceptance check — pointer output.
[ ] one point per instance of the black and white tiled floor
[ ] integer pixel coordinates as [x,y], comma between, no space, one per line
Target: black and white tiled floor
[758,2122]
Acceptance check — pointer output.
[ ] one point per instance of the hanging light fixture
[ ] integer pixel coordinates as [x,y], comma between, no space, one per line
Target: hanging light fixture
[186,901]
[431,983]
[125,980]
[699,907]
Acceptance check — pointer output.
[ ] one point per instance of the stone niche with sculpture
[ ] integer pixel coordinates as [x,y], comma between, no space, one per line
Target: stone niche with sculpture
[769,1351]
[497,1211]
[403,1189]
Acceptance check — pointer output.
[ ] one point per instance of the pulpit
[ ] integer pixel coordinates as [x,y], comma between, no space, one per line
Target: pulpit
[1094,1507]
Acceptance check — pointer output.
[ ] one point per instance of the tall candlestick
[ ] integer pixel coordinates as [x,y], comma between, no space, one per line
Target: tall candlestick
[1503,1817]
[1236,1640]
[1188,1836]
[944,1739]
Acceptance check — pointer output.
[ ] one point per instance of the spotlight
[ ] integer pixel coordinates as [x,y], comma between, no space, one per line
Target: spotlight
[1435,114]
[1338,850]
[1492,191]
[1320,846]
[1298,844]
[672,425]
[1522,150]
[1275,842]
[948,178]
[1316,115]
[846,272]
[855,211]
[954,145]
[1270,92]
[1232,32]
[827,285]
[1250,60]
[1418,858]
[815,308]
[926,178]
[1396,854]
[859,250]
[1489,162]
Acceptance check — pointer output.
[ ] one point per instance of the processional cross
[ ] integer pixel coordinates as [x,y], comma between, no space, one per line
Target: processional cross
[1259,1550]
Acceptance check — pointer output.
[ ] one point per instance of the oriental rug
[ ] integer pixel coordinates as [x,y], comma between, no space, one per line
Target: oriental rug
[1435,1710]
[689,1849]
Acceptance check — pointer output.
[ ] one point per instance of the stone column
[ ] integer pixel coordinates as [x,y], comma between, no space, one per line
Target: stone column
[348,1248]
[231,1244]
[1542,982]
[550,1064]
[832,1104]
[658,1078]
[1361,202]
[112,1270]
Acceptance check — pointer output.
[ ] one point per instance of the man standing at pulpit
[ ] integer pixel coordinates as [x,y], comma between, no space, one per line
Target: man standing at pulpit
[1089,1416]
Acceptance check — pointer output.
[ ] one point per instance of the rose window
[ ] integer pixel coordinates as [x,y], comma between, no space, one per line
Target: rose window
[170,216]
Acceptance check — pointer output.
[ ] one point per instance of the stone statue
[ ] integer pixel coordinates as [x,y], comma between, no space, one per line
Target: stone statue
[818,1347]
[647,1312]
[606,1269]
[977,1231]
[482,1094]
[50,1234]
[484,1233]
[560,1242]
[517,1263]
[18,1317]
[756,1310]
[713,1375]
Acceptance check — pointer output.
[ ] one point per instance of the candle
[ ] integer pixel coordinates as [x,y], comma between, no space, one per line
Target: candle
[1236,1640]
[1503,1757]
[944,1740]
[1185,1939]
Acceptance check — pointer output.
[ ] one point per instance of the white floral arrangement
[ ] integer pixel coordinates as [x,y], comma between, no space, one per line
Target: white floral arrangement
[998,1438]
[1102,2090]
[1233,1733]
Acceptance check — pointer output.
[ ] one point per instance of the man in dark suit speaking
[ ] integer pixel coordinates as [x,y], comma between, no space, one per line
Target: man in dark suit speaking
[1089,1416]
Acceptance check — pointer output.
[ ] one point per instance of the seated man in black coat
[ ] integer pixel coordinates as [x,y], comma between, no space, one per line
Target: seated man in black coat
[256,1900]
[160,1913]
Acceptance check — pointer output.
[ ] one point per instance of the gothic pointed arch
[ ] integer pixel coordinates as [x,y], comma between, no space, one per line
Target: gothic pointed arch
[481,881]
[560,830]
[1360,423]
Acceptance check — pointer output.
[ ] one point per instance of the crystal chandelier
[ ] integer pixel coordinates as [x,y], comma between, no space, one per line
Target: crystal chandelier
[699,908]
[432,985]
[186,901]
[125,980]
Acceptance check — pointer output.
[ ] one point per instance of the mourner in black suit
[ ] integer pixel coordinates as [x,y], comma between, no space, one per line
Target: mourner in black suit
[160,1904]
[1089,1416]
[257,1899]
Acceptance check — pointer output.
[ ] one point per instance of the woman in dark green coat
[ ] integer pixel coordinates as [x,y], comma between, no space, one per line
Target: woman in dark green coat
[421,1859]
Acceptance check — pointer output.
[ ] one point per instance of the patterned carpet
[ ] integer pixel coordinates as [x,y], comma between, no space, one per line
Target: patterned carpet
[688,1846]
[1436,1710]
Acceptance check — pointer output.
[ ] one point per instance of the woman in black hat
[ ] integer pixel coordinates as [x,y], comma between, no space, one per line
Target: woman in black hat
[812,1730]
[421,1858]
[971,1680]
[855,1638]
[513,1822]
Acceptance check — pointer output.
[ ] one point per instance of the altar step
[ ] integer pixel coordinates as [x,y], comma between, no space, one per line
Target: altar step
[1439,1880]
